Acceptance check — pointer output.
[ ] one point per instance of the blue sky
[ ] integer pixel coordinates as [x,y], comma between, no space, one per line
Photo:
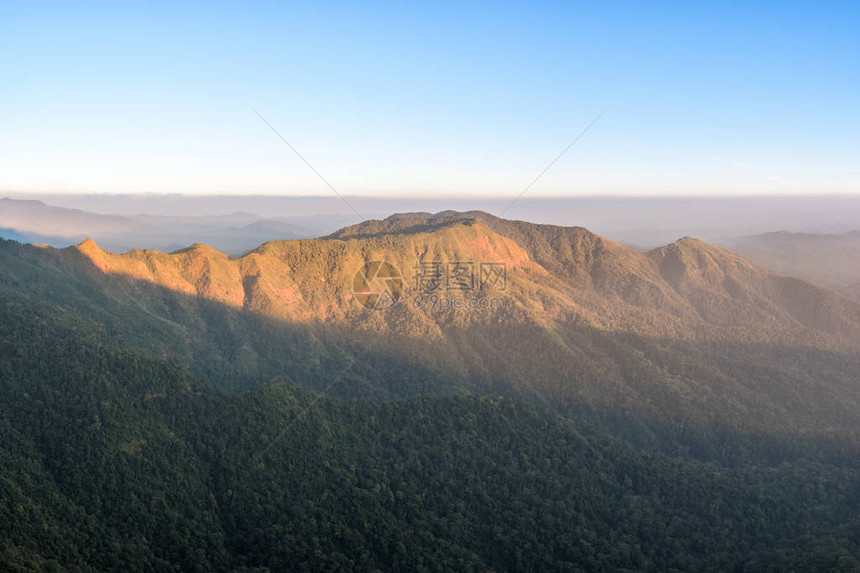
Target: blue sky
[436,98]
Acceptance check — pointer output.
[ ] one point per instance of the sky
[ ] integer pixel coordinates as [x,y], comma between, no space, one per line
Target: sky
[430,99]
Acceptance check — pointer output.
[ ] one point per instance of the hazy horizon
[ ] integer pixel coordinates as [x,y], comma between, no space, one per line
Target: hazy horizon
[639,221]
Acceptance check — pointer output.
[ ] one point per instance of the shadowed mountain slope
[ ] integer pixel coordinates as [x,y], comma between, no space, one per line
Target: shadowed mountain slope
[115,462]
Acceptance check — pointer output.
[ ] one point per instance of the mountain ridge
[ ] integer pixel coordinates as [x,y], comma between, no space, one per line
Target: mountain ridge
[556,273]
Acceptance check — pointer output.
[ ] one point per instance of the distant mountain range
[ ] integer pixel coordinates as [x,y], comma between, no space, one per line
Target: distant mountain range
[829,259]
[36,222]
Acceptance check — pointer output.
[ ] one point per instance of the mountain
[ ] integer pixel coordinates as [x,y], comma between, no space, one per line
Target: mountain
[832,260]
[556,275]
[283,228]
[550,400]
[687,335]
[689,288]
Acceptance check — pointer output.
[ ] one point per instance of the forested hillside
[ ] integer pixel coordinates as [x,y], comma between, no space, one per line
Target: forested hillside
[116,462]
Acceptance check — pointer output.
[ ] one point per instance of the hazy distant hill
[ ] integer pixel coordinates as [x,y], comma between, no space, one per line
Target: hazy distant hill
[236,233]
[39,219]
[831,260]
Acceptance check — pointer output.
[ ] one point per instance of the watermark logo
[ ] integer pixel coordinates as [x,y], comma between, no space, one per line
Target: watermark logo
[436,285]
[377,285]
[459,276]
